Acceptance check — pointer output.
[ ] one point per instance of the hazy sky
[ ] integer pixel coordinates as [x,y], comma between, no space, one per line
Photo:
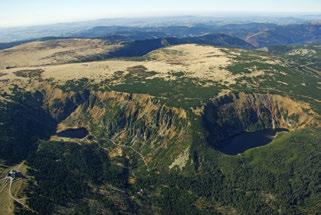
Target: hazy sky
[33,12]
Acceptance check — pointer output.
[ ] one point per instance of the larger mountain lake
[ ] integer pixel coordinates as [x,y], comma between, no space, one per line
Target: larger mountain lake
[247,140]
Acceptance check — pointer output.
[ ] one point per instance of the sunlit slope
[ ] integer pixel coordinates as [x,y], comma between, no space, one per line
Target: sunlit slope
[183,73]
[53,52]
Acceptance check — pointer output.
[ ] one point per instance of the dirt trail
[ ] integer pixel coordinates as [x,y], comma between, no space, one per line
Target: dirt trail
[134,150]
[6,186]
[10,193]
[254,35]
[129,147]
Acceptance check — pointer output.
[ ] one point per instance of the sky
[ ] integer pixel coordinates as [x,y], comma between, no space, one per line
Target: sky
[35,12]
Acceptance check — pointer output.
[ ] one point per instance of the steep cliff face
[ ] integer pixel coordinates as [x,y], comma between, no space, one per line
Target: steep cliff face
[234,114]
[158,135]
[139,124]
[62,104]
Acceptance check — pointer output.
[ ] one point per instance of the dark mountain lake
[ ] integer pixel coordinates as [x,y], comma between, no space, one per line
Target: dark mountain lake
[242,142]
[74,133]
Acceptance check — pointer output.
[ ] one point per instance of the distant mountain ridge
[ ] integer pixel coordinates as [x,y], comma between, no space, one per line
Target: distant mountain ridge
[142,47]
[68,29]
[286,35]
[140,40]
[137,48]
[257,34]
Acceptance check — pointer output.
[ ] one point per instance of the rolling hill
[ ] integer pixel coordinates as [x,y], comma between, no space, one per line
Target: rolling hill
[286,35]
[257,34]
[49,52]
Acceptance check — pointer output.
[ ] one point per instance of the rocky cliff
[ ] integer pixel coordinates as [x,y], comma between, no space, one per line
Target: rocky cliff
[139,124]
[234,114]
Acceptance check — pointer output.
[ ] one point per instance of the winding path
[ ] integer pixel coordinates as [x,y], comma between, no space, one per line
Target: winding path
[11,196]
[129,147]
[5,185]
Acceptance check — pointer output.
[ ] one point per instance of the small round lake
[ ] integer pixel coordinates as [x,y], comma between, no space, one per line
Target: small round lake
[242,142]
[73,133]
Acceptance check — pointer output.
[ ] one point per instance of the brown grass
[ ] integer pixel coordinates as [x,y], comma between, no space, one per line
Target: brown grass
[205,63]
[53,52]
